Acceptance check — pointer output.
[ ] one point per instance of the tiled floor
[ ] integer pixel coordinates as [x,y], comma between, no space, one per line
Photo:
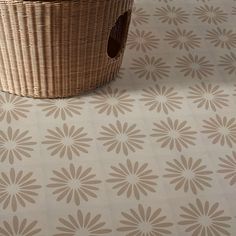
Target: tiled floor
[152,154]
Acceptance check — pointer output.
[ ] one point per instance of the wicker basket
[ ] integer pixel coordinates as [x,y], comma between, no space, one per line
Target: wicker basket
[52,49]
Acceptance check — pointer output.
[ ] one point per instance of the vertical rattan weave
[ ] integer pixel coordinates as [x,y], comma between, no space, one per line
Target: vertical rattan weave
[52,49]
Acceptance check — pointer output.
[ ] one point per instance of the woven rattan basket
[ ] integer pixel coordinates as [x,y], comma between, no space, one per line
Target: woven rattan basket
[52,49]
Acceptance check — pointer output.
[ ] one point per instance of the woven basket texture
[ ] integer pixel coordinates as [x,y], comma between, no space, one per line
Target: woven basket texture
[51,49]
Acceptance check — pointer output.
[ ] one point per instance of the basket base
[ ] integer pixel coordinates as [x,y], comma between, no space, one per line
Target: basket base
[67,95]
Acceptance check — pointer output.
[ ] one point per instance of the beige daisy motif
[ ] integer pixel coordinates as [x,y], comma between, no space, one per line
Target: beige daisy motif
[228,168]
[13,107]
[161,98]
[139,16]
[194,66]
[210,14]
[19,227]
[142,40]
[144,222]
[228,62]
[234,11]
[224,38]
[132,179]
[67,142]
[74,184]
[205,219]
[15,144]
[17,189]
[112,101]
[166,1]
[120,74]
[83,224]
[183,39]
[172,15]
[221,130]
[209,96]
[174,134]
[122,138]
[61,108]
[188,174]
[150,68]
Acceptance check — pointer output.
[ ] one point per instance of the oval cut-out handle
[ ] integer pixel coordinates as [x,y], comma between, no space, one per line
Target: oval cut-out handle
[118,36]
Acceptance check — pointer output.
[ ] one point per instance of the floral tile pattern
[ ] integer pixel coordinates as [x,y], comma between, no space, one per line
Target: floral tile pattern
[151,154]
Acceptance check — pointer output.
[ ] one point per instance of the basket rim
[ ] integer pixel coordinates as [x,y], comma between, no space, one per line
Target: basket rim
[49,1]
